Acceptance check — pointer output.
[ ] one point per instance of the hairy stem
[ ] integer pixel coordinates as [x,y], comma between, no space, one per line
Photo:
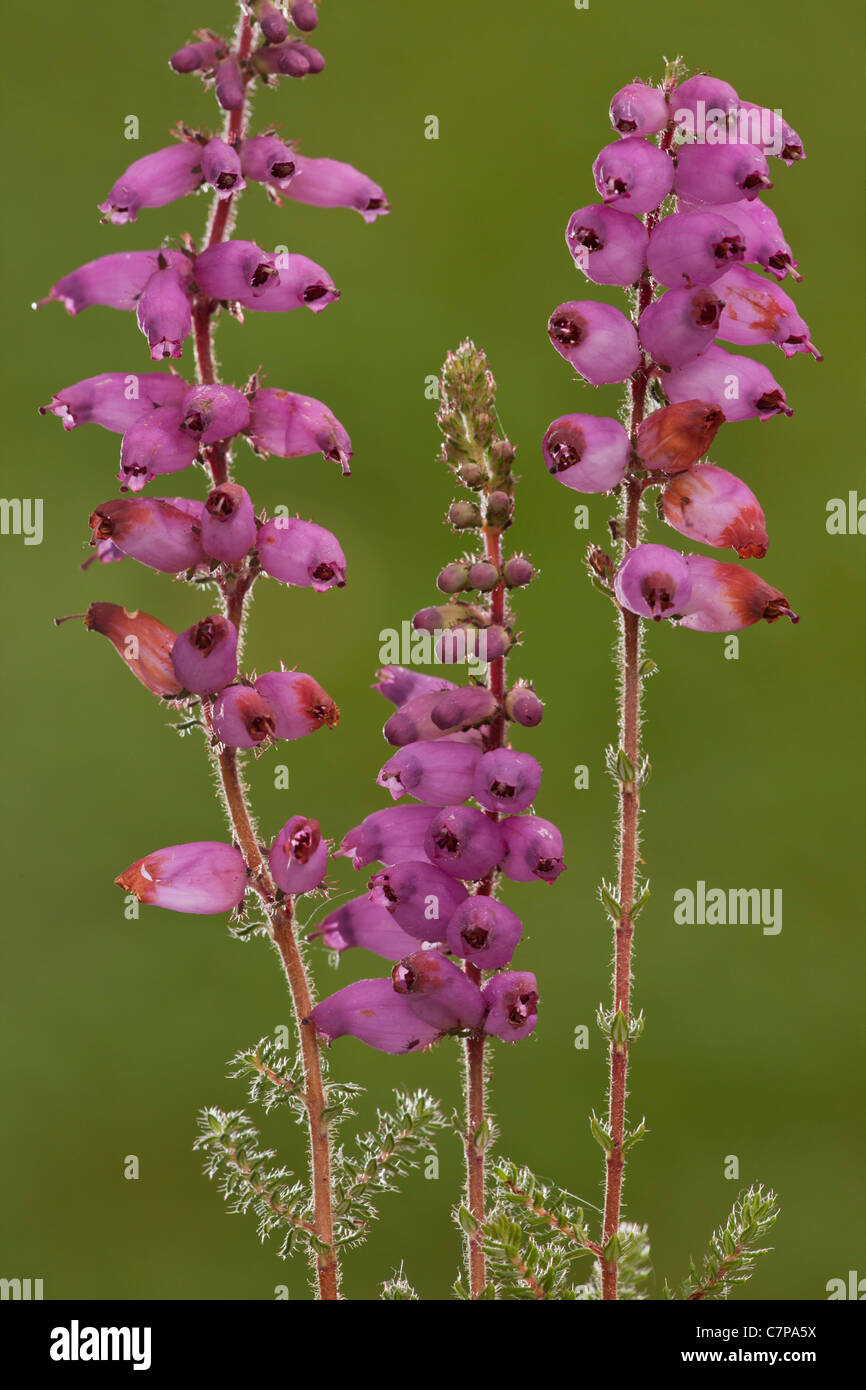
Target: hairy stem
[629,654]
[234,588]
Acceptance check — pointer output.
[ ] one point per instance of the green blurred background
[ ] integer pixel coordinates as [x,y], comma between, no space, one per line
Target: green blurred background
[115,1032]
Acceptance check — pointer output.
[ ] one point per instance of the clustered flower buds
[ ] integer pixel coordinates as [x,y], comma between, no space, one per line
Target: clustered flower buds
[432,908]
[696,264]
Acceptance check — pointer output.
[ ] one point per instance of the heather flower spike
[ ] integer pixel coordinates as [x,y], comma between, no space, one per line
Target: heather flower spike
[696,288]
[219,541]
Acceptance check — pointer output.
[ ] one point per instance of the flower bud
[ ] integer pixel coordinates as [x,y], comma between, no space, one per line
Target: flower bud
[484,932]
[464,516]
[728,597]
[298,858]
[757,311]
[454,578]
[438,991]
[506,781]
[533,849]
[633,174]
[676,436]
[241,718]
[221,168]
[741,387]
[511,1004]
[293,426]
[609,246]
[194,57]
[151,531]
[372,1011]
[654,582]
[523,706]
[681,324]
[114,400]
[228,523]
[301,553]
[298,703]
[272,20]
[589,453]
[205,656]
[499,511]
[412,720]
[265,159]
[156,444]
[438,773]
[720,173]
[390,836]
[141,641]
[464,707]
[326,183]
[483,576]
[420,898]
[518,572]
[443,615]
[638,109]
[693,248]
[464,842]
[713,507]
[153,181]
[236,271]
[361,922]
[229,84]
[398,684]
[203,877]
[304,15]
[598,340]
[164,315]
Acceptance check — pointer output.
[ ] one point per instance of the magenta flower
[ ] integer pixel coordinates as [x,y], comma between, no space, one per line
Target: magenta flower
[714,507]
[638,109]
[153,181]
[115,400]
[700,95]
[438,773]
[203,877]
[163,312]
[654,581]
[727,597]
[506,781]
[242,718]
[301,553]
[463,841]
[590,453]
[298,704]
[681,324]
[511,1004]
[236,271]
[363,923]
[156,444]
[298,858]
[265,159]
[293,426]
[484,932]
[633,175]
[205,656]
[720,173]
[326,183]
[420,897]
[739,386]
[533,849]
[693,248]
[758,311]
[302,284]
[438,990]
[150,530]
[221,168]
[389,837]
[765,242]
[770,132]
[142,642]
[676,436]
[228,523]
[465,707]
[598,340]
[413,721]
[373,1011]
[398,684]
[524,706]
[214,412]
[607,245]
[115,281]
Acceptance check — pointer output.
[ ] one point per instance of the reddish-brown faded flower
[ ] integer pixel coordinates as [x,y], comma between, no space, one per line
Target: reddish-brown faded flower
[677,436]
[140,640]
